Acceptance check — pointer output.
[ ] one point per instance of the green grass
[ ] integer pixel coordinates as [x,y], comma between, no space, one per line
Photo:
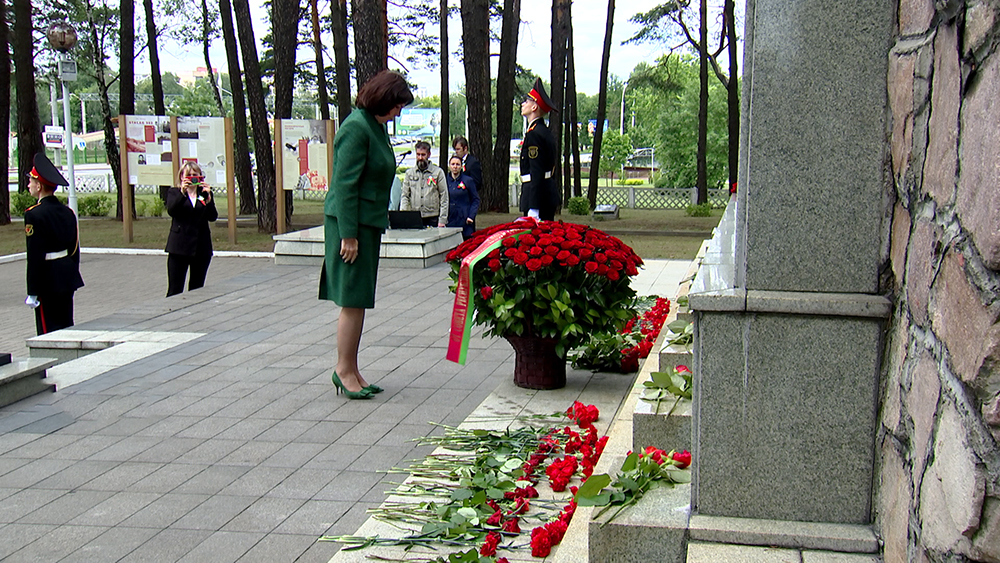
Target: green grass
[642,229]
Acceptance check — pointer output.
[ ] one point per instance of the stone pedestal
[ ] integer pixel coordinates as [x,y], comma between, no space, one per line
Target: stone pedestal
[787,316]
[401,248]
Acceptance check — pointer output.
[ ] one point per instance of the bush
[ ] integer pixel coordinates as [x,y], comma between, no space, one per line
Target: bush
[96,205]
[661,181]
[158,208]
[703,210]
[141,207]
[578,206]
[19,201]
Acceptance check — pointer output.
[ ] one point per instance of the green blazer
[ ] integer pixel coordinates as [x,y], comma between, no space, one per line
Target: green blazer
[363,168]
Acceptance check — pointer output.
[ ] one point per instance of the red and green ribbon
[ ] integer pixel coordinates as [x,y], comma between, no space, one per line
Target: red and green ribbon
[461,314]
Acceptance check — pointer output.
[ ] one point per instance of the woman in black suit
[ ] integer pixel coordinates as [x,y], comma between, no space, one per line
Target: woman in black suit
[189,244]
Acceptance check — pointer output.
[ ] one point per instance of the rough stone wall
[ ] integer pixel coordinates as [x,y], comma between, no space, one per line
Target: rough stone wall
[938,480]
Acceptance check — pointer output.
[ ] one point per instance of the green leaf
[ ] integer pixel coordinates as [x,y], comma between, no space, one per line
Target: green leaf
[630,463]
[494,493]
[679,475]
[592,486]
[461,494]
[602,499]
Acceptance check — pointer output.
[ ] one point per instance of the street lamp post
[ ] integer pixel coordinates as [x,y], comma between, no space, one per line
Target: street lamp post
[621,127]
[62,38]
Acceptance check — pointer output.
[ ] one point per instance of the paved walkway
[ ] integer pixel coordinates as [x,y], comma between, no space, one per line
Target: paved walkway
[233,446]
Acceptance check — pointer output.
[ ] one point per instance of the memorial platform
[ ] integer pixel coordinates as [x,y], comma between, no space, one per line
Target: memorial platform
[401,248]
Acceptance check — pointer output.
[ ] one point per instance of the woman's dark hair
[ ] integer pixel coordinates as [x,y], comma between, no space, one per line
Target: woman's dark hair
[383,92]
[454,157]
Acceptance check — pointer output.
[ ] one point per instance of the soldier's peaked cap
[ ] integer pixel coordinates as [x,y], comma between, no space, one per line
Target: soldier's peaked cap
[46,172]
[538,94]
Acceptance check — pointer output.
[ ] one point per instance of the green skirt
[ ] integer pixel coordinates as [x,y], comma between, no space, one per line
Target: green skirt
[350,285]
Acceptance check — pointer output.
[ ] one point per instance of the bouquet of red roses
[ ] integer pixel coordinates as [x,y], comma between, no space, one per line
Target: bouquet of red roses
[547,279]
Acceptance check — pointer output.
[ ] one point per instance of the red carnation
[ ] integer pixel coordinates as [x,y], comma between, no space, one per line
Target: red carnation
[541,543]
[495,518]
[489,548]
[486,292]
[511,526]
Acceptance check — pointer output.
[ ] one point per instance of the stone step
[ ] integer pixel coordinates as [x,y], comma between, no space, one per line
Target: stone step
[846,538]
[654,529]
[22,378]
[400,248]
[705,552]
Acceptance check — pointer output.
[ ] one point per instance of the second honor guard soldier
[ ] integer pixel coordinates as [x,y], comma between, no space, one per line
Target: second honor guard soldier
[53,250]
[539,196]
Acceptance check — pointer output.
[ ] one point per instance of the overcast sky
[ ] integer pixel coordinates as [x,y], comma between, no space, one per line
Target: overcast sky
[589,18]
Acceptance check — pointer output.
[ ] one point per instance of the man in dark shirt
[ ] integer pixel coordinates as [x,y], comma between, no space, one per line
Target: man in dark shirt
[53,250]
[470,164]
[539,197]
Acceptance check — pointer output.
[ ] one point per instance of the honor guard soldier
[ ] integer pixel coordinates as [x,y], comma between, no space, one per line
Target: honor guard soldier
[53,250]
[539,196]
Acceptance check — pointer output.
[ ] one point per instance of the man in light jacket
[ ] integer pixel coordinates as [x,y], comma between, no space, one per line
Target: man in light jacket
[425,189]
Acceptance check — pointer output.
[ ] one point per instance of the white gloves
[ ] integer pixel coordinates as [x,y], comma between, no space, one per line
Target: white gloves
[32,301]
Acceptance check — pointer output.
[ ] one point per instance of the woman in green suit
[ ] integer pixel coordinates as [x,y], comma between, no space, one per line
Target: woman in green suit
[355,217]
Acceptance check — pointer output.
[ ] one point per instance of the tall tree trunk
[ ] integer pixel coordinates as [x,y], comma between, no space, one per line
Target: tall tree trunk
[4,108]
[500,170]
[110,143]
[445,141]
[572,119]
[244,173]
[323,97]
[560,35]
[341,58]
[206,31]
[285,21]
[371,38]
[703,106]
[29,134]
[267,221]
[159,108]
[732,95]
[602,109]
[126,58]
[476,42]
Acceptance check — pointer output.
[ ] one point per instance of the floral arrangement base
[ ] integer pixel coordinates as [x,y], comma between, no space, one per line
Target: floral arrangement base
[536,364]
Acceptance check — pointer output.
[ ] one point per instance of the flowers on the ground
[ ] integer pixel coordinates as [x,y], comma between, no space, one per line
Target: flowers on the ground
[622,350]
[550,279]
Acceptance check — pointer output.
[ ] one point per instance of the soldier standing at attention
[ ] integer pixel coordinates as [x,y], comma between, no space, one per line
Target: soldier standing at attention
[53,250]
[539,197]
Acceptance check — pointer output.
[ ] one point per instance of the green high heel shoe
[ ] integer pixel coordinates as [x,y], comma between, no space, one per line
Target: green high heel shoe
[363,394]
[374,389]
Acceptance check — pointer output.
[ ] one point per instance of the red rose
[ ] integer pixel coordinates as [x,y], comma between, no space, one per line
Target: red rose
[547,260]
[494,265]
[527,239]
[495,253]
[600,258]
[509,242]
[615,265]
[683,459]
[572,260]
[682,369]
[602,270]
[586,253]
[536,251]
[613,275]
[486,292]
[590,267]
[562,255]
[534,264]
[510,253]
[552,250]
[520,258]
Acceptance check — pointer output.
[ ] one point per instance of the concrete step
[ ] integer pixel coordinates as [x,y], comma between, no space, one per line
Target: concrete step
[654,529]
[22,378]
[705,552]
[846,538]
[400,248]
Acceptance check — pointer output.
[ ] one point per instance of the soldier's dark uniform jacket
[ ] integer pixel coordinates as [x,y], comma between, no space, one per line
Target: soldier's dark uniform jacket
[538,160]
[53,256]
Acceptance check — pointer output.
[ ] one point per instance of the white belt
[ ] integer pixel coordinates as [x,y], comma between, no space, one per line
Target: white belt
[56,255]
[527,177]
